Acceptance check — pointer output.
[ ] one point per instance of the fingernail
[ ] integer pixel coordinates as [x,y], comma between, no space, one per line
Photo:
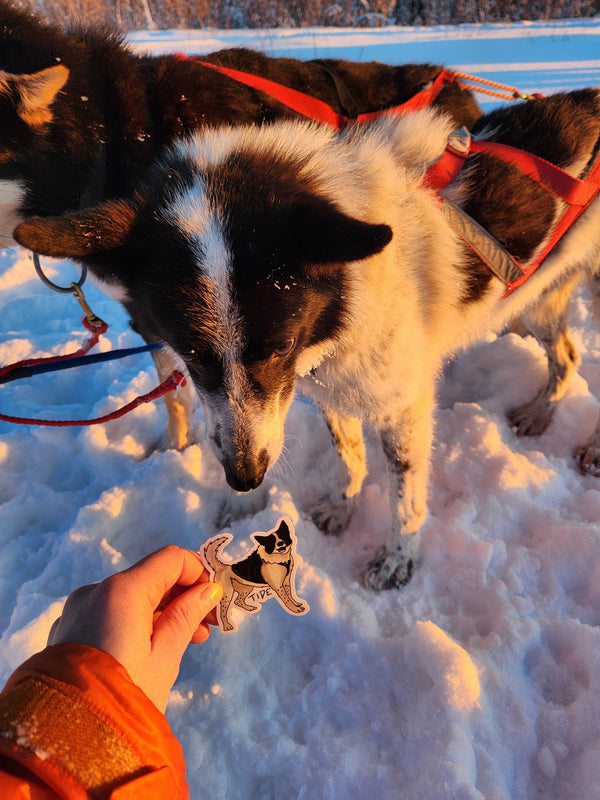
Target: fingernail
[211,593]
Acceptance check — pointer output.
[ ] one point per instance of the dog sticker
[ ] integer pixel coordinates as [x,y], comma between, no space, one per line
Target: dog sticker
[266,571]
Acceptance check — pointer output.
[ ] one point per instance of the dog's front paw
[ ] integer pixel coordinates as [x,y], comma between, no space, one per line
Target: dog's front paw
[296,607]
[389,569]
[532,419]
[332,517]
[588,457]
[178,440]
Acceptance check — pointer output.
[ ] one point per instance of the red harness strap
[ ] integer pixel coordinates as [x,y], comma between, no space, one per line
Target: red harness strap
[172,382]
[318,110]
[444,171]
[577,193]
[574,191]
[421,99]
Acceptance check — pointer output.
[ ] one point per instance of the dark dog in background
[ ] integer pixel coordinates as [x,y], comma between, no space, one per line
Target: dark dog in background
[291,255]
[82,118]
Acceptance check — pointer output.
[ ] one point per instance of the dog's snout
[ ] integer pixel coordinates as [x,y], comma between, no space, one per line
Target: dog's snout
[247,473]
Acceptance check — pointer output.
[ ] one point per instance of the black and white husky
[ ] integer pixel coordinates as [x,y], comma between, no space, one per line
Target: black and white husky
[82,117]
[291,256]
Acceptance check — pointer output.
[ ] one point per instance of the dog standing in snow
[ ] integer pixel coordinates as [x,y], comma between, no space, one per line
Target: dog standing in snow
[292,256]
[82,118]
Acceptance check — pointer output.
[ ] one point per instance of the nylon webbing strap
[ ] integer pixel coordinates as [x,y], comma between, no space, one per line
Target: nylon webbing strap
[298,101]
[577,193]
[318,110]
[483,244]
[572,190]
[421,99]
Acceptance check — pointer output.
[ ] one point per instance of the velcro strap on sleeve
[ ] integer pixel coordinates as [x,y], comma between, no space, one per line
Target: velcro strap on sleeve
[68,738]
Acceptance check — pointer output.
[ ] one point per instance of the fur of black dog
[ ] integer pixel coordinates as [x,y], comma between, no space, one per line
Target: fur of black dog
[291,256]
[270,565]
[82,118]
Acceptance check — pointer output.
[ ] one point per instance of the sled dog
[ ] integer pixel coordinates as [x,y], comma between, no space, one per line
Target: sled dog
[82,117]
[290,256]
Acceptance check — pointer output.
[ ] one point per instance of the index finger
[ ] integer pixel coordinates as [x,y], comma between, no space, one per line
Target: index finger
[159,572]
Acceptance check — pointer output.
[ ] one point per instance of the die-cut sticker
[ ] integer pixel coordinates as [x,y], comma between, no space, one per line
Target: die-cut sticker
[268,570]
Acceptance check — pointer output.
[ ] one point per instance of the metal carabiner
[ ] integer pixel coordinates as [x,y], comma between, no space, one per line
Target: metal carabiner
[55,287]
[91,321]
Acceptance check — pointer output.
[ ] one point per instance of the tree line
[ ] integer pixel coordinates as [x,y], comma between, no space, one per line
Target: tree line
[128,15]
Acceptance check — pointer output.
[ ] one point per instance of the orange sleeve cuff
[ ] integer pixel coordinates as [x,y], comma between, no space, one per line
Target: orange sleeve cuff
[73,717]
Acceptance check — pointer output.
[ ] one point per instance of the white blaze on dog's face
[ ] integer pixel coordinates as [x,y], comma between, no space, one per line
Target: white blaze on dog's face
[244,385]
[257,314]
[232,258]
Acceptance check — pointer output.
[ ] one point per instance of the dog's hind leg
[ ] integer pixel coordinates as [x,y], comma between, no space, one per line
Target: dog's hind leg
[407,447]
[547,321]
[224,606]
[594,289]
[331,513]
[588,454]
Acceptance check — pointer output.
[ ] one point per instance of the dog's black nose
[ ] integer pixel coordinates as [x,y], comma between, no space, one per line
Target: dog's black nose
[243,483]
[246,473]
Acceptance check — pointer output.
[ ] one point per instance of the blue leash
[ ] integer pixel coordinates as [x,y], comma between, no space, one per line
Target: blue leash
[78,361]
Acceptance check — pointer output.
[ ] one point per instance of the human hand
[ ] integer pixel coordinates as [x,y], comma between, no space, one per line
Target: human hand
[145,617]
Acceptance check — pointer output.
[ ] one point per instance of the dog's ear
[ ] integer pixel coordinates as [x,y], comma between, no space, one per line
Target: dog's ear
[324,235]
[283,531]
[266,540]
[81,234]
[33,94]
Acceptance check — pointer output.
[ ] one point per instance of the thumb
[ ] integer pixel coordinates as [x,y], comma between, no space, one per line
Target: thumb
[182,621]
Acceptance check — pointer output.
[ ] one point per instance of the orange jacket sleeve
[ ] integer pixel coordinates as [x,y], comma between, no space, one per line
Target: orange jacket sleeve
[74,726]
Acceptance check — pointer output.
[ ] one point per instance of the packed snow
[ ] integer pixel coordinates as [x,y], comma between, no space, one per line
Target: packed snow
[481,678]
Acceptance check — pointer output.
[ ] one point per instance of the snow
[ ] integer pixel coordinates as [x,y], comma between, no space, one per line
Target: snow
[481,678]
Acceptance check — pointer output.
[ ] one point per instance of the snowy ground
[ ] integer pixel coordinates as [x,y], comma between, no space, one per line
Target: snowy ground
[481,679]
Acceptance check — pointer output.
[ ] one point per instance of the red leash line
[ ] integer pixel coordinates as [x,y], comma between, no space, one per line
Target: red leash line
[171,383]
[33,362]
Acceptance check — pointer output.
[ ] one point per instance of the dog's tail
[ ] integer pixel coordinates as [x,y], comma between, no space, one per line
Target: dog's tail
[212,550]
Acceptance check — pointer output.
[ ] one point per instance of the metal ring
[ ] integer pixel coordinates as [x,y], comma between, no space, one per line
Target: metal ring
[64,289]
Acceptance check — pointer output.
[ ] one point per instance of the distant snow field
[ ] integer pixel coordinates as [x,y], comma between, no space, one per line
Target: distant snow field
[481,678]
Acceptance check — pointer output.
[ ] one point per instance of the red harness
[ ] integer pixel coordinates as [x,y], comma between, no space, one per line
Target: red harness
[576,193]
[318,110]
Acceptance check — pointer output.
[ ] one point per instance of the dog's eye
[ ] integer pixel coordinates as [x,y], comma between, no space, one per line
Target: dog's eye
[284,348]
